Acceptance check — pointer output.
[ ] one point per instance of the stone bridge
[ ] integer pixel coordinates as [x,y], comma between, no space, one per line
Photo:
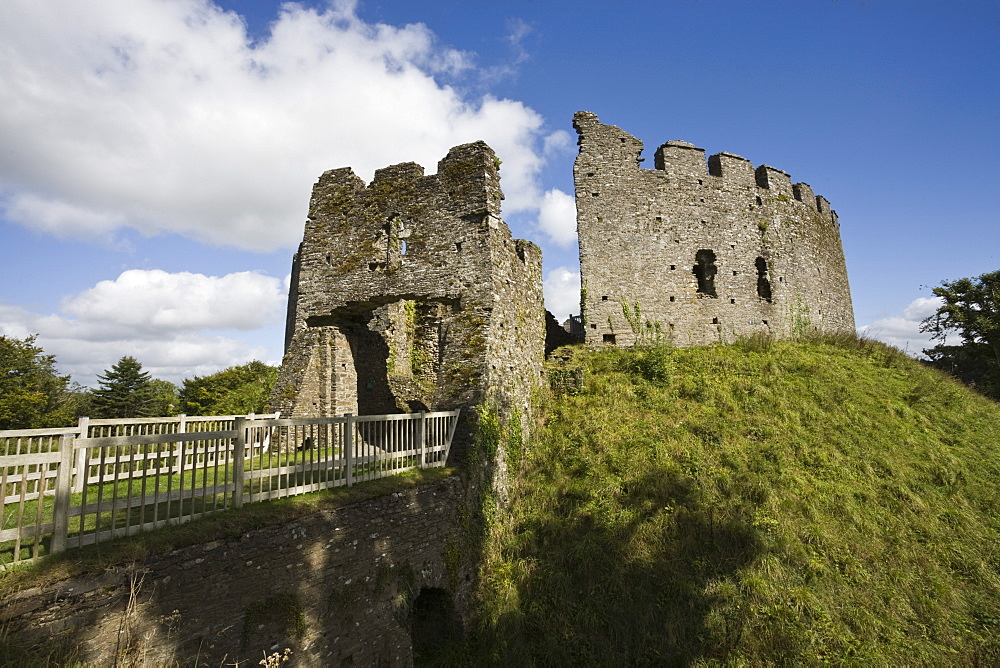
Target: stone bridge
[362,584]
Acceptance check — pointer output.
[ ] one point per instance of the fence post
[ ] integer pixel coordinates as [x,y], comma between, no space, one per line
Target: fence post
[239,447]
[451,435]
[181,429]
[83,424]
[422,438]
[349,447]
[64,483]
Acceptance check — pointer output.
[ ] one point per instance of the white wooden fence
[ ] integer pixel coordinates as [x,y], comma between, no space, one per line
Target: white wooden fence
[75,486]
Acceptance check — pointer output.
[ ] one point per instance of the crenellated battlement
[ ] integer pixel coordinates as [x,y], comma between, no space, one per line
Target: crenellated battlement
[775,180]
[733,168]
[683,159]
[709,249]
[680,158]
[405,171]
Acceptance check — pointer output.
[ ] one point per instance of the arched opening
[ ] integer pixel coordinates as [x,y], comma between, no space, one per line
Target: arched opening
[435,627]
[763,282]
[705,270]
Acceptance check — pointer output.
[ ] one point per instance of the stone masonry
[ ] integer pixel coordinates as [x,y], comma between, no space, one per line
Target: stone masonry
[337,587]
[694,253]
[410,294]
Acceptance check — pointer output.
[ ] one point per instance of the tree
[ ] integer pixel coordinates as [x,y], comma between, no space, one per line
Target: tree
[972,308]
[32,394]
[237,390]
[165,400]
[972,364]
[125,391]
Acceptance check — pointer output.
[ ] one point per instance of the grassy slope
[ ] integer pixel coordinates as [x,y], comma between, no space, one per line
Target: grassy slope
[790,502]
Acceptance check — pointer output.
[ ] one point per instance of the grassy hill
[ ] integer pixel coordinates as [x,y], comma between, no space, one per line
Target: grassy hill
[767,502]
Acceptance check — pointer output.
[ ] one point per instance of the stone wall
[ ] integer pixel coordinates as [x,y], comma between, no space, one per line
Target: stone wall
[409,293]
[703,251]
[338,587]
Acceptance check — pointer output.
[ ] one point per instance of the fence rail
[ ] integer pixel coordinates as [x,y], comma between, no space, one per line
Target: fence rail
[76,486]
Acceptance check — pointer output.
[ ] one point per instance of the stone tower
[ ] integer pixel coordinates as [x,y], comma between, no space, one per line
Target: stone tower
[410,294]
[695,253]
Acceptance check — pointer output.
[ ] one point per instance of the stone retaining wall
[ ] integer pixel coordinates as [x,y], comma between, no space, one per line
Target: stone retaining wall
[336,588]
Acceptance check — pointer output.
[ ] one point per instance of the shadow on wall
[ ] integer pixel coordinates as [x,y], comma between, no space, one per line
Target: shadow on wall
[436,626]
[338,587]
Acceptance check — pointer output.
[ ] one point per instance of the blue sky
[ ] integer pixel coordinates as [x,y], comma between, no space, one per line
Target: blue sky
[156,156]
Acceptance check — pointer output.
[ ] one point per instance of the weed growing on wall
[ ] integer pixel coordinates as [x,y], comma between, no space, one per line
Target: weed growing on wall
[645,333]
[800,319]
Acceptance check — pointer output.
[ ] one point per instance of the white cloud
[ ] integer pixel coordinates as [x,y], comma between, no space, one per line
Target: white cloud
[164,320]
[557,217]
[558,142]
[922,307]
[904,331]
[152,303]
[165,116]
[562,292]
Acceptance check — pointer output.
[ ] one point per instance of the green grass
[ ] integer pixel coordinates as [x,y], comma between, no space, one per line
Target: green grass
[807,502]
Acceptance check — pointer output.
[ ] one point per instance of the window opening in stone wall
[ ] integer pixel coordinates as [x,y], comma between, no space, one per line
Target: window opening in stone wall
[458,246]
[402,248]
[671,298]
[609,338]
[705,270]
[604,298]
[759,201]
[672,267]
[763,282]
[391,237]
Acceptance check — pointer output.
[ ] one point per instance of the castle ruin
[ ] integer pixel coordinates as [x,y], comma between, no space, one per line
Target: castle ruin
[410,294]
[693,253]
